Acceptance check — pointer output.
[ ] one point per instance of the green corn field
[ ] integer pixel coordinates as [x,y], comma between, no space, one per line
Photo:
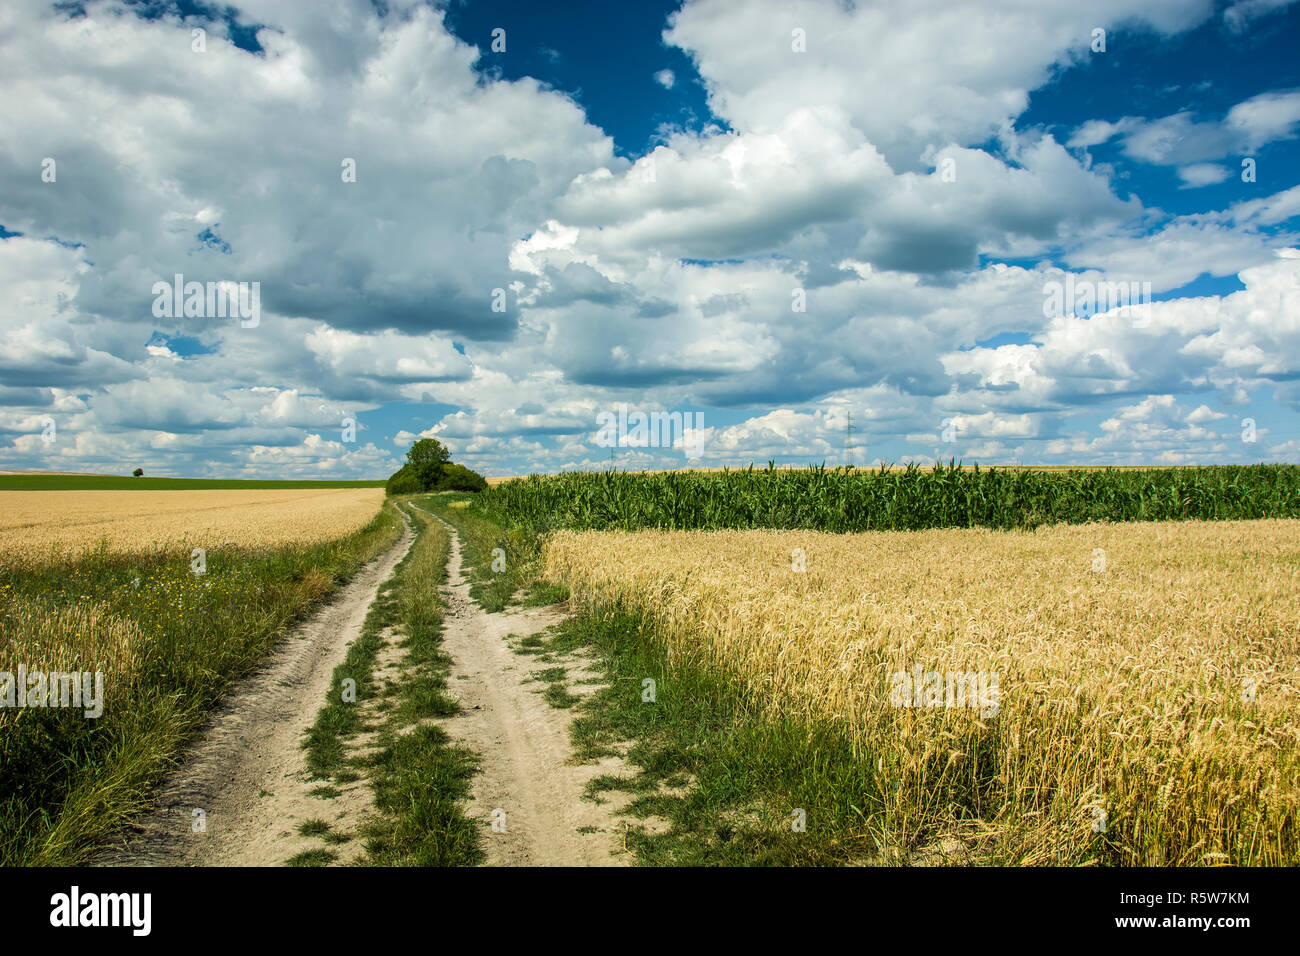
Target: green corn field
[893,499]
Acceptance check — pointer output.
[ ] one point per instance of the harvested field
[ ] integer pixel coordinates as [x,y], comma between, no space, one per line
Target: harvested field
[1147,704]
[40,525]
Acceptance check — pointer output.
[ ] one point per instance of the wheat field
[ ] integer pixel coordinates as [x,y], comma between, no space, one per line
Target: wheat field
[1148,674]
[54,525]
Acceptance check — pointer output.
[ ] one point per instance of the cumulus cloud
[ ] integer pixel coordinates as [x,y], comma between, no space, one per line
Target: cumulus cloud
[1180,139]
[1156,430]
[312,167]
[1202,174]
[1244,340]
[848,238]
[980,62]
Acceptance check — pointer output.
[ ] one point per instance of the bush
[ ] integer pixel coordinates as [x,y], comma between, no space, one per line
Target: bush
[138,473]
[460,478]
[404,481]
[415,480]
[429,468]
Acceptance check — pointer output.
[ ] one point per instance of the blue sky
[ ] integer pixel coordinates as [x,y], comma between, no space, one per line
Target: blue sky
[604,55]
[766,216]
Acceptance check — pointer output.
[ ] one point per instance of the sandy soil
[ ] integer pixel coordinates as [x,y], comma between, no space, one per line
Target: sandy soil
[247,771]
[526,768]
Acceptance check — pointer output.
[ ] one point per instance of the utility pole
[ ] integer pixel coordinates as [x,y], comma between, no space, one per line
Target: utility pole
[848,441]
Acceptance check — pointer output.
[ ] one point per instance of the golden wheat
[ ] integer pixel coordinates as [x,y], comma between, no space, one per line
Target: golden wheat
[72,638]
[35,525]
[1148,674]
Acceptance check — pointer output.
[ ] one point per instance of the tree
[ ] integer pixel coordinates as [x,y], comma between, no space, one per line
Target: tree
[428,451]
[425,460]
[429,468]
[138,473]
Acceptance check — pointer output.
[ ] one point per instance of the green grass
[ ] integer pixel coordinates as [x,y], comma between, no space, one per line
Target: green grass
[341,717]
[419,777]
[717,781]
[482,533]
[70,782]
[724,777]
[558,696]
[911,498]
[146,483]
[421,782]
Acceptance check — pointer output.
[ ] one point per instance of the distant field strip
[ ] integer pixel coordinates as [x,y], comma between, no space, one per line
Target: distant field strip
[894,499]
[1148,674]
[56,481]
[40,524]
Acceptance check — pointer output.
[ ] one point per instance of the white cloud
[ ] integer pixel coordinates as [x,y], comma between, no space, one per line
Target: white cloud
[1156,430]
[878,195]
[387,356]
[1180,139]
[980,62]
[1228,344]
[1202,174]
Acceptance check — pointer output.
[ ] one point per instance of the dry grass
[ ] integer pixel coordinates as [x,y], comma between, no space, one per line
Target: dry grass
[1120,691]
[56,525]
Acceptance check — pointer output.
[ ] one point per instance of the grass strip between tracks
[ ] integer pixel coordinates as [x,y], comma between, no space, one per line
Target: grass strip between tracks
[419,777]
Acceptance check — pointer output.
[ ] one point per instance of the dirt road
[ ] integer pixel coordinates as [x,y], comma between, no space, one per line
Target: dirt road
[246,772]
[527,784]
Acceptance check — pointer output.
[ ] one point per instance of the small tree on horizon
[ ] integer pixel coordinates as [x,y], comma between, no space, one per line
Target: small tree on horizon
[138,473]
